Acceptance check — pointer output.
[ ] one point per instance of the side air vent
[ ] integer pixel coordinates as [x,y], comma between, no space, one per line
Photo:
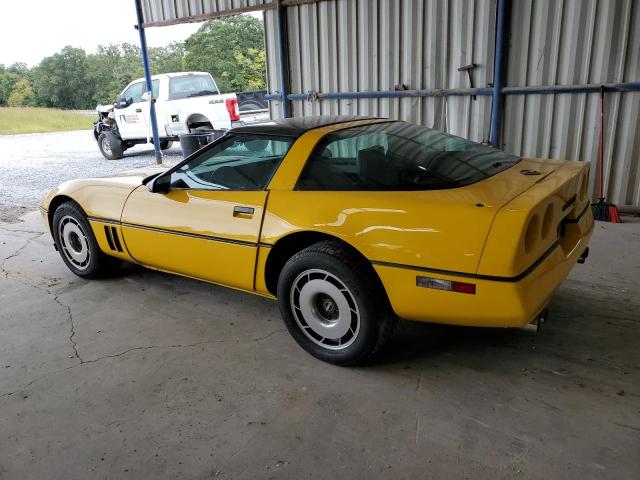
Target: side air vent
[112,238]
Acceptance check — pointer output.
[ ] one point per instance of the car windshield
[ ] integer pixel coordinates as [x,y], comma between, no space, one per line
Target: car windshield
[238,162]
[187,86]
[399,156]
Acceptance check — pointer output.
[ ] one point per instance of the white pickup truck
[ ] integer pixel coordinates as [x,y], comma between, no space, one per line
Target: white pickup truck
[185,102]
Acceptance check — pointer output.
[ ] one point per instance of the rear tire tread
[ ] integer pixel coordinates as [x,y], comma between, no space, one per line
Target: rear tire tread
[386,319]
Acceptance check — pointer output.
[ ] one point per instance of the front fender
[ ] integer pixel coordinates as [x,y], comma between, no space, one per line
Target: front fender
[98,198]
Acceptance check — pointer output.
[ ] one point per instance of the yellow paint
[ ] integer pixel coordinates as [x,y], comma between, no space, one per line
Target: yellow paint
[475,230]
[201,212]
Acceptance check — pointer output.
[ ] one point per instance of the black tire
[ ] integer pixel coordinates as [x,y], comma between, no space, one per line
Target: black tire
[69,221]
[165,144]
[110,146]
[305,297]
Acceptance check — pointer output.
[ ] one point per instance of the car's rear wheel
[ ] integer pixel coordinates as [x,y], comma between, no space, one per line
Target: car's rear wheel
[110,146]
[165,144]
[77,244]
[332,305]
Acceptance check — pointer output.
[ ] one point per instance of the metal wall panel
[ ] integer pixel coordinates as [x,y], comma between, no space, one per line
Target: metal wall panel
[577,42]
[373,45]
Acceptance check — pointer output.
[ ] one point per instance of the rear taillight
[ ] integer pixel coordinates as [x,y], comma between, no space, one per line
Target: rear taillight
[232,108]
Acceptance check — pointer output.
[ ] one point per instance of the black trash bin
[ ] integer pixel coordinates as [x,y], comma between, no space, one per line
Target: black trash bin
[192,142]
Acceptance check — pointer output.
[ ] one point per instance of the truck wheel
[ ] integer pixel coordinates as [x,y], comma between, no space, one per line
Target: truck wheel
[332,306]
[110,146]
[165,144]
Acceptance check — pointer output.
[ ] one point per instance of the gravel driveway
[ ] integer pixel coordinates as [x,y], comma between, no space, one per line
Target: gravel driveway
[30,165]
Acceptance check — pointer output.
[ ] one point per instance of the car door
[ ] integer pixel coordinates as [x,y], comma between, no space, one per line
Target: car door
[206,224]
[131,120]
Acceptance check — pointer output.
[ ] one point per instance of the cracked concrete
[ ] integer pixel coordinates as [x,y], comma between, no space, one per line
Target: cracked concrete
[147,375]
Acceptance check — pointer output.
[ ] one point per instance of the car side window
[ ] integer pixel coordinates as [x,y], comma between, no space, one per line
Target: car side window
[135,91]
[238,162]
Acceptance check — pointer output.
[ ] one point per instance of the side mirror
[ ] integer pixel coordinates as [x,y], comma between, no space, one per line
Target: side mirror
[121,102]
[160,184]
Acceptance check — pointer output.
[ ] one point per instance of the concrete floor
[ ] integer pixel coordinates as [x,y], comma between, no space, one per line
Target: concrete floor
[152,376]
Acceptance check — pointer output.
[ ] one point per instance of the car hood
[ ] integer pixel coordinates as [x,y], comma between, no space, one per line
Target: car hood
[135,174]
[101,197]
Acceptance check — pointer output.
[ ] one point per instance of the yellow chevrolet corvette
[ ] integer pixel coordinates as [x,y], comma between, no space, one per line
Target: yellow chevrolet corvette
[350,223]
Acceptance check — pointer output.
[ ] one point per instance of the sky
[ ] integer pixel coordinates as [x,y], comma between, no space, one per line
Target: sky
[32,30]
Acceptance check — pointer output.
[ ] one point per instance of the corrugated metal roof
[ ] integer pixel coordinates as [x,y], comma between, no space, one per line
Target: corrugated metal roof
[169,12]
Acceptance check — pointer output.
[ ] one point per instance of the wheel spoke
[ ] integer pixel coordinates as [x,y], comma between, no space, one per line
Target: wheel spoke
[324,309]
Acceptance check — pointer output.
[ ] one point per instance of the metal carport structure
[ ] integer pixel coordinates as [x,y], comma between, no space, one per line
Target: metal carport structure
[537,67]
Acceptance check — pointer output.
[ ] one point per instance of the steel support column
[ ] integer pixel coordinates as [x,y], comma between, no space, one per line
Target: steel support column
[147,76]
[284,64]
[499,72]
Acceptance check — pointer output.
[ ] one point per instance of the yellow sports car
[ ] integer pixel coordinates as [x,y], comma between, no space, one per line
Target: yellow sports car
[350,223]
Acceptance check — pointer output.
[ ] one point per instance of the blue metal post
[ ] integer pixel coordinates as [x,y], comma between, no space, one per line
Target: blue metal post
[499,71]
[147,76]
[284,65]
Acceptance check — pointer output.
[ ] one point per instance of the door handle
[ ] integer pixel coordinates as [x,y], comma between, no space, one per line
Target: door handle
[238,210]
[138,110]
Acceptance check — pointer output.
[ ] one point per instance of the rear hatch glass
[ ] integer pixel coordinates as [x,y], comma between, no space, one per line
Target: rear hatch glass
[399,156]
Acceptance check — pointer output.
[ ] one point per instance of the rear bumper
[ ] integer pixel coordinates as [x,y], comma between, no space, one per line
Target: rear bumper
[498,302]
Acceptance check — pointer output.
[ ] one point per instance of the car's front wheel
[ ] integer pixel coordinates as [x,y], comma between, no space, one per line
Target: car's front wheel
[165,144]
[332,305]
[110,145]
[77,244]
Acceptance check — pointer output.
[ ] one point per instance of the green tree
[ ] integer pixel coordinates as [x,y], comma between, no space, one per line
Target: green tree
[252,68]
[60,80]
[9,78]
[22,94]
[109,70]
[166,59]
[213,48]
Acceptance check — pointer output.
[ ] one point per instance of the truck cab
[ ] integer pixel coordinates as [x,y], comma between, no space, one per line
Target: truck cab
[185,102]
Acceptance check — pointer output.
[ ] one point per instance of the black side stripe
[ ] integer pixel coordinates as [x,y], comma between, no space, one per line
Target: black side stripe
[494,278]
[175,232]
[103,220]
[191,235]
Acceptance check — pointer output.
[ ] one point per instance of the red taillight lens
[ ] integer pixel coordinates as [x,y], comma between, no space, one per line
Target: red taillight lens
[232,108]
[460,287]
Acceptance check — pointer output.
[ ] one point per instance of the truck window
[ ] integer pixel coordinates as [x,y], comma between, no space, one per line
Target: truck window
[136,90]
[186,86]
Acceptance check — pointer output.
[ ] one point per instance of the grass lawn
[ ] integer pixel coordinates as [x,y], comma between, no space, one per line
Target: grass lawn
[38,120]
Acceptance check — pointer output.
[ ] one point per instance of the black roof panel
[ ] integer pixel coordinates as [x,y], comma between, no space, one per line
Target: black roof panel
[296,126]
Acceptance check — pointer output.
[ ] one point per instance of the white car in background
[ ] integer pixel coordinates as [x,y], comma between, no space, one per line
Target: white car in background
[186,102]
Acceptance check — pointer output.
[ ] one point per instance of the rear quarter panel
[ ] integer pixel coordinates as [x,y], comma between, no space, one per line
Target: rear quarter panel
[443,230]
